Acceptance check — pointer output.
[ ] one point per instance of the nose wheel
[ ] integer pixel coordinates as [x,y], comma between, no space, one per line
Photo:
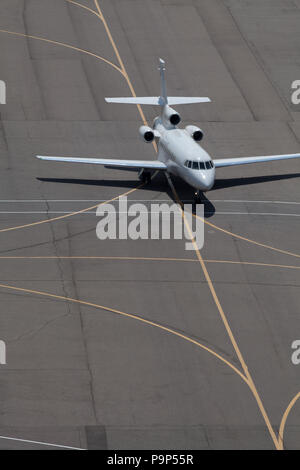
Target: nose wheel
[197,196]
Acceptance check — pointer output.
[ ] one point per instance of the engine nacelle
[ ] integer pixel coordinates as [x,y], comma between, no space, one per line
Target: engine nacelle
[147,134]
[195,132]
[171,115]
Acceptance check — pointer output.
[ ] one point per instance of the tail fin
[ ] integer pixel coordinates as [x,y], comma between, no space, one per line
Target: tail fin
[163,87]
[163,99]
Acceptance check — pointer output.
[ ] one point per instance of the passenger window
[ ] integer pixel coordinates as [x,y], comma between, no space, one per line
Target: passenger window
[202,167]
[195,166]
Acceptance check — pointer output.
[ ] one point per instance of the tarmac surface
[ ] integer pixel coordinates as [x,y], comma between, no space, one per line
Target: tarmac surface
[204,360]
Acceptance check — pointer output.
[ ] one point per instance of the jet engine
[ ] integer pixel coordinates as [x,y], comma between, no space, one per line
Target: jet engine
[195,132]
[171,115]
[146,133]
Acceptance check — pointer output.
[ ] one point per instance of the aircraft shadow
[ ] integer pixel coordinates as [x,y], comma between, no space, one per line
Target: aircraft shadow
[244,181]
[157,184]
[79,181]
[186,195]
[184,191]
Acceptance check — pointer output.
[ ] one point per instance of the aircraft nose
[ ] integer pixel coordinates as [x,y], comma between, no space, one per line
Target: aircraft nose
[207,181]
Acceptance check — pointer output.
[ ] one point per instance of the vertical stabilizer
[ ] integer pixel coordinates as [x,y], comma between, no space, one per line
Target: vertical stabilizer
[163,92]
[163,99]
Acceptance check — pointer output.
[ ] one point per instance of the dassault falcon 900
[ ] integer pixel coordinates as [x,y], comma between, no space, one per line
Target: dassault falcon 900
[179,152]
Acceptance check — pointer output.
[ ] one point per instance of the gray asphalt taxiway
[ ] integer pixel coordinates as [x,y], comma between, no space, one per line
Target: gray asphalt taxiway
[155,348]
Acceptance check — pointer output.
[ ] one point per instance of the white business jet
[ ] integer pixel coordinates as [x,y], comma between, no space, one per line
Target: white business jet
[179,152]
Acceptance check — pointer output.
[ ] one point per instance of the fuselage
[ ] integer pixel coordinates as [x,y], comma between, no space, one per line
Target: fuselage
[184,157]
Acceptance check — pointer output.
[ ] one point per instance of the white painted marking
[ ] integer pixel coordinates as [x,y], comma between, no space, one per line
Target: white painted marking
[148,200]
[258,202]
[118,212]
[254,213]
[77,200]
[40,443]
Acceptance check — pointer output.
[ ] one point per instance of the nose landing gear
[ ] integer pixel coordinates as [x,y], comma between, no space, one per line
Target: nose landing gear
[144,176]
[197,196]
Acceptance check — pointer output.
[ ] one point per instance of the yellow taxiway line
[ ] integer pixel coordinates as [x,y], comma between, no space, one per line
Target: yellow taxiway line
[227,326]
[132,316]
[247,377]
[146,258]
[284,418]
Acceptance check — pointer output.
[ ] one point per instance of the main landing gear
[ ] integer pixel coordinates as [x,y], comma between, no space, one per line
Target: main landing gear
[145,176]
[197,196]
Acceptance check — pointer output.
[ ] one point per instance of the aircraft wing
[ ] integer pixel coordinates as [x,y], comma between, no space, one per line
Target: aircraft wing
[245,160]
[109,163]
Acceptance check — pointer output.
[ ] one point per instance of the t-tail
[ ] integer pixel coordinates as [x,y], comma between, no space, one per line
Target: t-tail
[163,99]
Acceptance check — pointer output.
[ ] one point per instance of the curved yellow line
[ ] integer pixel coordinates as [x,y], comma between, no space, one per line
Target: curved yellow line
[284,418]
[240,237]
[247,378]
[249,263]
[84,7]
[125,74]
[145,122]
[122,71]
[145,258]
[68,46]
[134,317]
[71,214]
[224,319]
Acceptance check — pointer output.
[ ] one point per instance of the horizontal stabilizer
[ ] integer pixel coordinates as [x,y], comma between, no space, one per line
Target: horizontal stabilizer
[158,100]
[172,100]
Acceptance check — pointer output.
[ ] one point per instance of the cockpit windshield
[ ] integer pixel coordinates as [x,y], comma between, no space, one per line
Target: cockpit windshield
[195,165]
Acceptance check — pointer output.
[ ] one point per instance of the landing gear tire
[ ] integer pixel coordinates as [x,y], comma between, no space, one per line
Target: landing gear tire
[145,176]
[197,197]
